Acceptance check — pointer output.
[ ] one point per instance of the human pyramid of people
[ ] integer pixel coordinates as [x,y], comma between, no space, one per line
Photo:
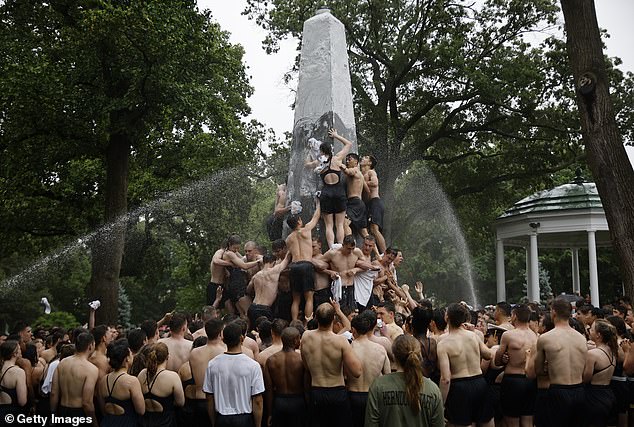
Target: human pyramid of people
[305,337]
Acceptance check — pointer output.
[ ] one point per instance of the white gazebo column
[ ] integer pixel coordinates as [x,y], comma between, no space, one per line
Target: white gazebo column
[576,283]
[534,260]
[529,276]
[499,270]
[594,275]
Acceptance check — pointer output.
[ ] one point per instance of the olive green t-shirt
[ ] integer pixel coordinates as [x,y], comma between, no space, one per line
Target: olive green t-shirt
[388,404]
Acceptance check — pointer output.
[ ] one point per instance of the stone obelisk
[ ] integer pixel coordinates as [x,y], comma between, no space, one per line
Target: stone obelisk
[324,101]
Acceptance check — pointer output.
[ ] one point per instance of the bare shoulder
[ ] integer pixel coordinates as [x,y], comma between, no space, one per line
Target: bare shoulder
[358,253]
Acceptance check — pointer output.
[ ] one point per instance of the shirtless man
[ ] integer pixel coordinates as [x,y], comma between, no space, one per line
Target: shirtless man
[390,329]
[236,285]
[565,351]
[103,336]
[385,279]
[199,359]
[302,271]
[176,343]
[264,284]
[374,204]
[251,253]
[277,327]
[284,379]
[355,209]
[74,382]
[344,262]
[323,275]
[463,388]
[325,355]
[284,300]
[502,315]
[374,360]
[50,353]
[517,392]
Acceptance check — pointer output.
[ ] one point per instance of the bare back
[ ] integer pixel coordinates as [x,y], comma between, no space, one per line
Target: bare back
[565,351]
[265,283]
[323,355]
[300,245]
[199,359]
[375,363]
[515,343]
[285,371]
[74,375]
[462,350]
[179,349]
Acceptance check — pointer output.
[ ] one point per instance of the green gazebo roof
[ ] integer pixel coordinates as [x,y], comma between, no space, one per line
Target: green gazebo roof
[574,196]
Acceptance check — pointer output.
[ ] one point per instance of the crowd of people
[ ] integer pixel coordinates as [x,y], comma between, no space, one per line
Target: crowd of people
[303,336]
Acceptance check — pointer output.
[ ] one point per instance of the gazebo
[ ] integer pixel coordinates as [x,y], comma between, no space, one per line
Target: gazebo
[570,216]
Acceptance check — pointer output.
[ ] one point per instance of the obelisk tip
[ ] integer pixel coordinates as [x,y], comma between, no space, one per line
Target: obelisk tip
[322,9]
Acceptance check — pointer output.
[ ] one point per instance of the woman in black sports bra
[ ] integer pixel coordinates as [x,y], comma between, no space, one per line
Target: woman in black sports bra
[600,364]
[162,389]
[333,198]
[13,394]
[120,395]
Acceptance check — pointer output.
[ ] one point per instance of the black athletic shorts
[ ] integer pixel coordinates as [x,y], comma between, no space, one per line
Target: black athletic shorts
[566,405]
[358,402]
[517,395]
[289,410]
[65,411]
[302,276]
[621,390]
[600,400]
[347,297]
[376,209]
[541,408]
[468,401]
[200,415]
[330,406]
[332,204]
[257,310]
[355,211]
[321,296]
[239,420]
[236,286]
[282,305]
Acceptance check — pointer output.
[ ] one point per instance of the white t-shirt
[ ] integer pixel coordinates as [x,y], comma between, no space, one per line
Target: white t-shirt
[233,379]
[47,384]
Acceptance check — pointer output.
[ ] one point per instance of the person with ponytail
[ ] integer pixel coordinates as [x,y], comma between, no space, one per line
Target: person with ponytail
[162,389]
[13,390]
[405,397]
[120,395]
[600,364]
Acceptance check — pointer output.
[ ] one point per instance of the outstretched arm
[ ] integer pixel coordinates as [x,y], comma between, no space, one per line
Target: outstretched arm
[347,145]
[315,219]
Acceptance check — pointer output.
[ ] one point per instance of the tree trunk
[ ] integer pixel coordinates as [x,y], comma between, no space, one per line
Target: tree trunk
[107,248]
[607,158]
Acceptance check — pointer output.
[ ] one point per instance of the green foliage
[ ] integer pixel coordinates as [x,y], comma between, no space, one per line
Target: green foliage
[62,319]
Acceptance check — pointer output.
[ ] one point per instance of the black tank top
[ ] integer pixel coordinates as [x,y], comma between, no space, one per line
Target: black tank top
[12,392]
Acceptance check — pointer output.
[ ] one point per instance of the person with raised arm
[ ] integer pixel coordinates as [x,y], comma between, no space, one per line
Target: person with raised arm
[302,270]
[265,285]
[325,355]
[333,193]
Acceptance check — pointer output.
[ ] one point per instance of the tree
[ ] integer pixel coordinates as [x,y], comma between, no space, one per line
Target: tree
[450,83]
[95,90]
[607,158]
